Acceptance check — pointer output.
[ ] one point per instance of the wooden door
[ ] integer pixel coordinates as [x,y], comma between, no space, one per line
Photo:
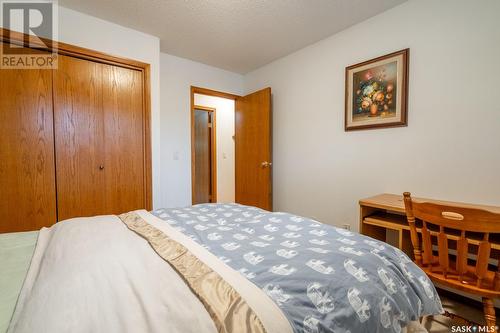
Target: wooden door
[79,137]
[27,174]
[253,149]
[124,140]
[202,157]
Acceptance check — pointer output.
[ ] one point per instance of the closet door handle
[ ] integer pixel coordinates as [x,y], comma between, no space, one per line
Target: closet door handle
[101,167]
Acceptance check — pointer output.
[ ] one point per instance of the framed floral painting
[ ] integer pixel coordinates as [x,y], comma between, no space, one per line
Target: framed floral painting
[377,92]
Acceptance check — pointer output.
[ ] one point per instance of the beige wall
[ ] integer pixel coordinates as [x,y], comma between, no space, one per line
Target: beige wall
[451,149]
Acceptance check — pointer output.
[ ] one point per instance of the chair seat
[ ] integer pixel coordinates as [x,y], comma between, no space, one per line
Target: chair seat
[467,283]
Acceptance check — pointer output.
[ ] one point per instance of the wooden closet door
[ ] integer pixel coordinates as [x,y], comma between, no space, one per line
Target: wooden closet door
[27,175]
[124,140]
[78,119]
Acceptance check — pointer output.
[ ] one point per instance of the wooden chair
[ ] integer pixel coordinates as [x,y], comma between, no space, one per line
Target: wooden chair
[465,230]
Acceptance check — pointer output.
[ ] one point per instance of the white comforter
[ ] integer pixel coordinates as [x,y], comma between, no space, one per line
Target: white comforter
[95,275]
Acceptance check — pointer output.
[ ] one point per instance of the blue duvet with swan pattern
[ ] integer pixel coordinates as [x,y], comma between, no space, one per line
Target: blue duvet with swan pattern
[324,279]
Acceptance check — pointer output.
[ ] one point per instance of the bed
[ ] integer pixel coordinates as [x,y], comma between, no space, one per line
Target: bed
[208,268]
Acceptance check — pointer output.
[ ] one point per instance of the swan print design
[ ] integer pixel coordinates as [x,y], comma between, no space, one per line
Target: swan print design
[214,236]
[350,250]
[359,273]
[267,238]
[318,250]
[360,306]
[319,266]
[271,228]
[319,242]
[277,294]
[320,297]
[291,235]
[240,236]
[292,227]
[385,313]
[319,233]
[346,241]
[287,254]
[283,269]
[200,227]
[253,258]
[311,324]
[290,244]
[427,286]
[374,244]
[246,273]
[387,280]
[231,246]
[376,253]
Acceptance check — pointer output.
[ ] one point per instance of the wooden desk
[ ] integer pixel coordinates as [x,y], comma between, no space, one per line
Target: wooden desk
[383,217]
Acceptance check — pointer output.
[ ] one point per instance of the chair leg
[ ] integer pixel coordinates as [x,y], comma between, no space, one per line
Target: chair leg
[489,311]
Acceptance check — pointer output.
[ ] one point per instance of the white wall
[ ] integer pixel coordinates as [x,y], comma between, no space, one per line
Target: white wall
[451,149]
[177,75]
[224,142]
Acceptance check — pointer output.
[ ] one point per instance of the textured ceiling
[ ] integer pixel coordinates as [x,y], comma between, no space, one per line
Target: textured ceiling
[237,35]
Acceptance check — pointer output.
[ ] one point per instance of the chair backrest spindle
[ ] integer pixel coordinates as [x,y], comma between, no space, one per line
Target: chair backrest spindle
[462,253]
[444,258]
[426,245]
[483,256]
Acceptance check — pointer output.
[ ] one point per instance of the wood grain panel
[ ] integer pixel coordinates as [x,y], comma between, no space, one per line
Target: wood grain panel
[253,148]
[27,175]
[79,137]
[202,157]
[124,153]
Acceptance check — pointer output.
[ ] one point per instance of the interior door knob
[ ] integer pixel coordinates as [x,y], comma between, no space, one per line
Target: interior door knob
[101,167]
[266,164]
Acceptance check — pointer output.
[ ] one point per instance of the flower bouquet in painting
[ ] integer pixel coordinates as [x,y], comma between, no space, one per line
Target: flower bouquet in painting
[376,92]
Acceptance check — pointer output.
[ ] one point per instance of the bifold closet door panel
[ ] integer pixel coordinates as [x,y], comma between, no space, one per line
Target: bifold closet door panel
[27,175]
[79,137]
[123,139]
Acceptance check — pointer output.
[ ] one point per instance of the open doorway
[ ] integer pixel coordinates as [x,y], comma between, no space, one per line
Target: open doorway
[213,168]
[205,146]
[231,147]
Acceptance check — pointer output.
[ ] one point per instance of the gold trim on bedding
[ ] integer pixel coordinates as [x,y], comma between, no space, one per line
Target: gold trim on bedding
[229,311]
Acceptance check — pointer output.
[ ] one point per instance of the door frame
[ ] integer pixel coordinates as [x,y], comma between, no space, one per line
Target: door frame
[18,38]
[213,149]
[214,93]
